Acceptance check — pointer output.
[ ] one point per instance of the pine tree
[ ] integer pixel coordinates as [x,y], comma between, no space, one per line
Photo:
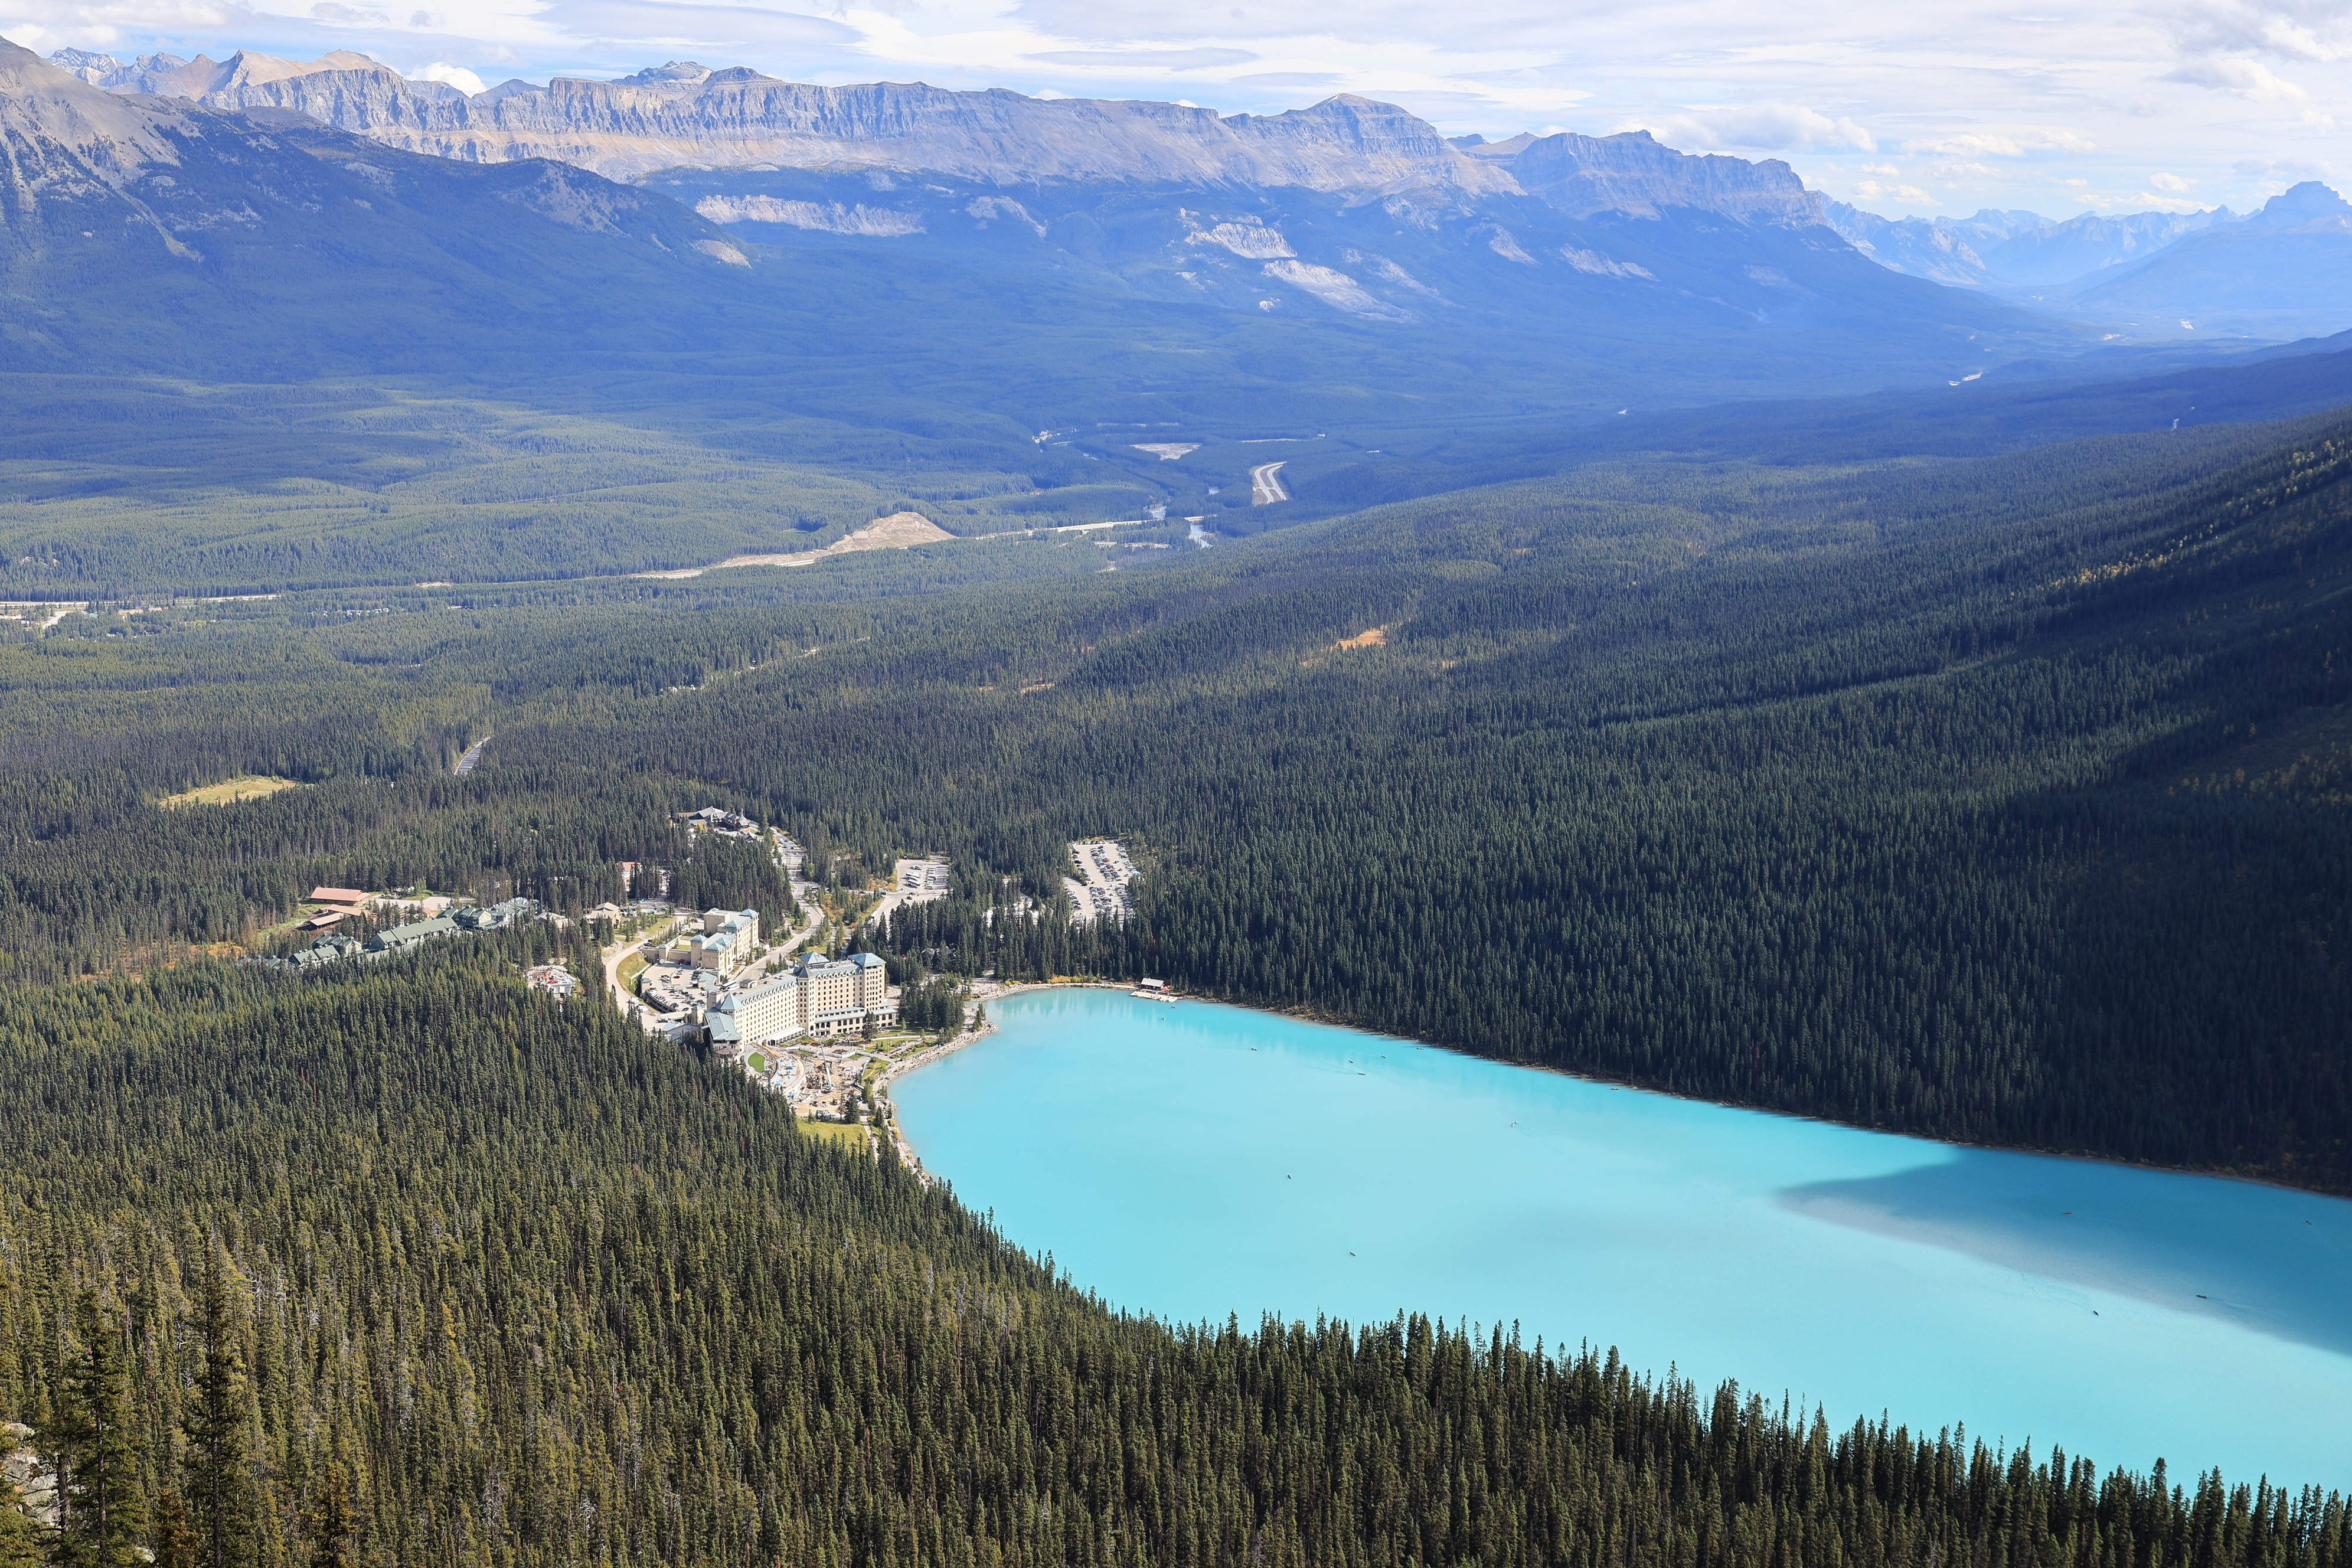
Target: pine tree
[175,1541]
[224,1508]
[333,1540]
[104,1518]
[20,1545]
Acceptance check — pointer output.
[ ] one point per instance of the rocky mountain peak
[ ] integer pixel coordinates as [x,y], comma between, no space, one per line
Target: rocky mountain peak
[2303,204]
[1632,172]
[56,127]
[685,71]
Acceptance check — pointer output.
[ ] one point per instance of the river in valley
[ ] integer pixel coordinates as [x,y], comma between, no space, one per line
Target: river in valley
[1195,1161]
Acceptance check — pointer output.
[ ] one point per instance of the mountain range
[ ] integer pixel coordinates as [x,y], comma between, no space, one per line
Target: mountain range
[1562,273]
[839,148]
[1995,248]
[684,115]
[2279,272]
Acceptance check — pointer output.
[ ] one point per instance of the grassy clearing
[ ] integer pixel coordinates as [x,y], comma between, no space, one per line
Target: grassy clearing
[628,968]
[245,786]
[846,1133]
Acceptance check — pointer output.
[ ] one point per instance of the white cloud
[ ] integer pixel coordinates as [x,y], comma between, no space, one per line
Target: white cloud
[2317,30]
[1145,59]
[2247,78]
[1889,170]
[459,77]
[2171,183]
[2013,142]
[2137,201]
[1907,196]
[1775,127]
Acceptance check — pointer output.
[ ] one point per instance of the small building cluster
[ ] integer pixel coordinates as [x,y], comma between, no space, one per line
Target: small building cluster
[555,980]
[718,820]
[336,945]
[818,998]
[728,937]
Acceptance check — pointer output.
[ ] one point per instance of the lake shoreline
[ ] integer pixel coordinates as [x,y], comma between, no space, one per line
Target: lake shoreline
[1311,1016]
[947,1048]
[1169,1164]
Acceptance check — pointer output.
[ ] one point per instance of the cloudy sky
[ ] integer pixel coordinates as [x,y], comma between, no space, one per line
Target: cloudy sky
[2064,107]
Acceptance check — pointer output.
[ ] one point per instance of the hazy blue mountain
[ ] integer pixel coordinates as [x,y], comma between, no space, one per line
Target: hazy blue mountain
[1924,247]
[1634,175]
[161,229]
[2022,250]
[1484,303]
[2281,273]
[2285,271]
[1515,261]
[2060,252]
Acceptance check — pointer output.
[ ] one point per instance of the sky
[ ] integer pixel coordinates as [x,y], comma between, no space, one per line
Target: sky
[2062,108]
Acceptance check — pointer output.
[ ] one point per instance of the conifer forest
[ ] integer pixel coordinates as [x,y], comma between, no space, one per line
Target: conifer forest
[2004,799]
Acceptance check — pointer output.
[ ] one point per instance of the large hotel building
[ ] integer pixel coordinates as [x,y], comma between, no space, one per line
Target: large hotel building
[821,997]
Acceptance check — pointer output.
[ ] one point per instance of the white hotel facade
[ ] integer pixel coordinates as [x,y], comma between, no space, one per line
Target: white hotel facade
[820,998]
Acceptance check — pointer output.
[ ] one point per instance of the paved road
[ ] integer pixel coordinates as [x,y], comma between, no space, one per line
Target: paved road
[1265,484]
[467,764]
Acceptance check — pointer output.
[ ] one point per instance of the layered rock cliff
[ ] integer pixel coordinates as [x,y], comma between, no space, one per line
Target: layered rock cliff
[682,115]
[97,179]
[1634,174]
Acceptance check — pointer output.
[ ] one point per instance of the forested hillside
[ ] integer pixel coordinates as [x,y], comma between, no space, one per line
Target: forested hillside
[407,1266]
[2001,800]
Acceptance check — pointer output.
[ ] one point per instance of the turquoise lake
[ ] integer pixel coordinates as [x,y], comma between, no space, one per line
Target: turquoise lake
[1194,1161]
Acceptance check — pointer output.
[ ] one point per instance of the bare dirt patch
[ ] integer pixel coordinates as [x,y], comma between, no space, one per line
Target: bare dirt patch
[899,531]
[1378,637]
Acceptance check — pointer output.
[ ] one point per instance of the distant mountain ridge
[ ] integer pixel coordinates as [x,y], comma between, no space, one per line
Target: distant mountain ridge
[683,115]
[1634,174]
[2284,271]
[2022,248]
[203,215]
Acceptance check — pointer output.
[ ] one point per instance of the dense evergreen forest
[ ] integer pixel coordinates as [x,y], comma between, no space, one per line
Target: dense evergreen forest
[2002,799]
[409,1265]
[2004,802]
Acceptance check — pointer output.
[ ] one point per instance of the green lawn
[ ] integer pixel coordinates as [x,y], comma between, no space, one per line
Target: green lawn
[836,1132]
